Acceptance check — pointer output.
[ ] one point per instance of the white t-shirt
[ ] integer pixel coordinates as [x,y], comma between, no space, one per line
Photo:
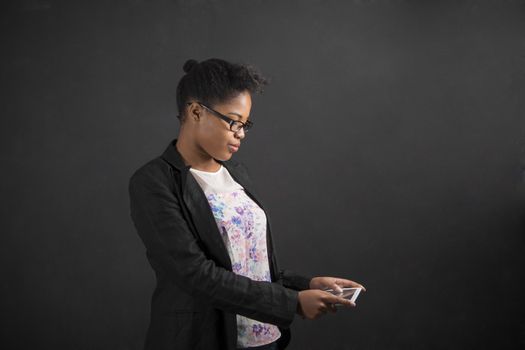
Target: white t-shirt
[242,224]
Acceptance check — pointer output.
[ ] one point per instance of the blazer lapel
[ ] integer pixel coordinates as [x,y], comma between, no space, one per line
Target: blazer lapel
[199,209]
[201,212]
[204,221]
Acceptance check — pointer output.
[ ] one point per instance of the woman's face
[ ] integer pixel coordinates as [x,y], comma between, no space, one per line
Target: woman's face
[213,134]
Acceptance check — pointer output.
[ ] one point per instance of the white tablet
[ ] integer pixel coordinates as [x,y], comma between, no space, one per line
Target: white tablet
[347,293]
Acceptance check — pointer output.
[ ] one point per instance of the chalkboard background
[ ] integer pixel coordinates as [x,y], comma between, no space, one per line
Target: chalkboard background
[388,149]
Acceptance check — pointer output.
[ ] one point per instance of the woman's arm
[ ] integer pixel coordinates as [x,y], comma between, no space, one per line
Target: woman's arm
[292,280]
[156,213]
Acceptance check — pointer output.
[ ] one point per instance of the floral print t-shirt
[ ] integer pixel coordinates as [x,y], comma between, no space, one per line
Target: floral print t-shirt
[242,225]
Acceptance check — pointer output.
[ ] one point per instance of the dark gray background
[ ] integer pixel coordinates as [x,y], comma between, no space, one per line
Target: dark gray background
[388,149]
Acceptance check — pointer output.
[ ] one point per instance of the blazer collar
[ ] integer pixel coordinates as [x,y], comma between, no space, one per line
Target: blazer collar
[172,156]
[198,205]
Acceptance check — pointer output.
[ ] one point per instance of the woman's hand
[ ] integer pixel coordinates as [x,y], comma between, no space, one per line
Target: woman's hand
[334,283]
[314,303]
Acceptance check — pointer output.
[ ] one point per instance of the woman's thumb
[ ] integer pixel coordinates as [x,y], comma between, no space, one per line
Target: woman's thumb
[336,288]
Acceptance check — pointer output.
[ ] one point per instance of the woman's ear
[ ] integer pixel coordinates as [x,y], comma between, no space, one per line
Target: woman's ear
[194,112]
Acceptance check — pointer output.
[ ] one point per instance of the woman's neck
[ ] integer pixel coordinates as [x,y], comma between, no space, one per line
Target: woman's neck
[194,156]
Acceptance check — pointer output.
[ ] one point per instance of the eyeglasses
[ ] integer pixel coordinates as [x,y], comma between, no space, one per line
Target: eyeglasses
[235,125]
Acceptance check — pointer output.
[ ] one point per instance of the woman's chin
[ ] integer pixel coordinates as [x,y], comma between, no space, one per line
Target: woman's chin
[224,157]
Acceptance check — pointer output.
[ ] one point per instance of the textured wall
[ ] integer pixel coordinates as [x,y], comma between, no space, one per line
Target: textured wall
[388,149]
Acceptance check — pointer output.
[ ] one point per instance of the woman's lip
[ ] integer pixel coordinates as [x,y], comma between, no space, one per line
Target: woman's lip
[234,148]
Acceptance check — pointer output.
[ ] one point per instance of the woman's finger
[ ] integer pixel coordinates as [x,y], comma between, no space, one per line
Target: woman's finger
[336,287]
[332,308]
[349,283]
[345,302]
[328,307]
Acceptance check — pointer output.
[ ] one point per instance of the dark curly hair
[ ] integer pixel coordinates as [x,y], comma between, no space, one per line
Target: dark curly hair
[216,80]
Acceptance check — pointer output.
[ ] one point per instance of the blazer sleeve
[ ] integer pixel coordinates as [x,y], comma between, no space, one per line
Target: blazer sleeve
[295,281]
[156,214]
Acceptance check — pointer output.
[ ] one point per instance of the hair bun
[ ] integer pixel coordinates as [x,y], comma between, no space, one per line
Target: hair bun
[189,65]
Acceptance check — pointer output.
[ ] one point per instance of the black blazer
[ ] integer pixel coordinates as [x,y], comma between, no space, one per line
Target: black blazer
[197,295]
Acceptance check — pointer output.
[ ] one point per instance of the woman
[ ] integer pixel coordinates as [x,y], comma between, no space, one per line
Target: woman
[207,235]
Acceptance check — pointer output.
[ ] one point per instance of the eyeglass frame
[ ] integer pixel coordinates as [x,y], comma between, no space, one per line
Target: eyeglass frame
[244,126]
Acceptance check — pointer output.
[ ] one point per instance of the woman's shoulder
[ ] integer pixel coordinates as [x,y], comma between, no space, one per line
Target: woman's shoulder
[155,170]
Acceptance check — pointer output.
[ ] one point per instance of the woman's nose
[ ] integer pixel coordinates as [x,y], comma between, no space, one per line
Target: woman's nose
[240,133]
